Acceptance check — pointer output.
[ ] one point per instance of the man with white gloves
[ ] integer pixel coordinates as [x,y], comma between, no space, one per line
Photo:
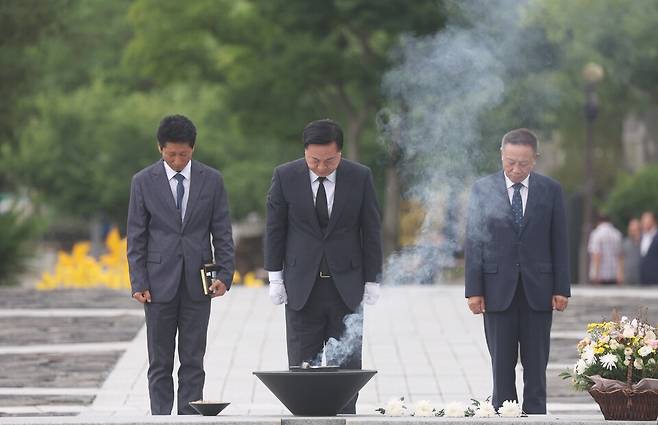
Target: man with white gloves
[322,244]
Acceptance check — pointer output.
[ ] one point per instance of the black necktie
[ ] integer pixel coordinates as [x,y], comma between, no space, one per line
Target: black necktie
[517,206]
[180,190]
[321,207]
[322,210]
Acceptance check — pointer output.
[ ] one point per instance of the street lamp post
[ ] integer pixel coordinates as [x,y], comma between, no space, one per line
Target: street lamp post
[592,76]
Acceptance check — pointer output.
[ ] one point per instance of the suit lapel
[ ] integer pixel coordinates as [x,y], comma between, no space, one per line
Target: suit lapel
[303,182]
[163,189]
[197,181]
[340,197]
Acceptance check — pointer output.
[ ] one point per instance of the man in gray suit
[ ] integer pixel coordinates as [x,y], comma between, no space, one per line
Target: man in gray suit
[517,268]
[176,205]
[323,245]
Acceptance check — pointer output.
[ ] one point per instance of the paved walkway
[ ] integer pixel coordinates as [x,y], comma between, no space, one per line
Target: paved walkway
[421,340]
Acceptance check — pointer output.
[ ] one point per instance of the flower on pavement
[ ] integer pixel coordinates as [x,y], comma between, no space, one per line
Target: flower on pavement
[510,409]
[396,407]
[609,361]
[486,410]
[423,408]
[454,410]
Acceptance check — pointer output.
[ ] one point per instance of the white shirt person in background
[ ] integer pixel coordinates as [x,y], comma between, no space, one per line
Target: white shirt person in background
[606,254]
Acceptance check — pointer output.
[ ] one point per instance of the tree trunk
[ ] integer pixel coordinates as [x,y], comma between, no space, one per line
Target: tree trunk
[354,130]
[391,223]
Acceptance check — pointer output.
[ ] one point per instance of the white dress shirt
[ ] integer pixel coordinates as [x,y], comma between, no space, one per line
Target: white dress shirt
[329,188]
[173,183]
[647,239]
[524,190]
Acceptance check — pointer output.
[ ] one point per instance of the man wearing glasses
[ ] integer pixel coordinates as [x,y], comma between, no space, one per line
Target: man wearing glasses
[517,268]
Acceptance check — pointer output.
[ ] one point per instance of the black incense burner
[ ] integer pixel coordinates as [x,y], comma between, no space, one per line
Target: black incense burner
[315,391]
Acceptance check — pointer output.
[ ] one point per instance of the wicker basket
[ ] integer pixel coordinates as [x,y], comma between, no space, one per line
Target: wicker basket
[626,405]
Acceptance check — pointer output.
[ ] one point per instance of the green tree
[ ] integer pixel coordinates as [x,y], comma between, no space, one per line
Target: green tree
[284,63]
[22,24]
[619,35]
[632,195]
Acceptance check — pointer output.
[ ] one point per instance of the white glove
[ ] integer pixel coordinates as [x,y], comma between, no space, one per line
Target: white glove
[371,293]
[278,292]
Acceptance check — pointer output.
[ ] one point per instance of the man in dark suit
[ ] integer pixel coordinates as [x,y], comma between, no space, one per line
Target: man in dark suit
[176,205]
[323,245]
[648,250]
[517,268]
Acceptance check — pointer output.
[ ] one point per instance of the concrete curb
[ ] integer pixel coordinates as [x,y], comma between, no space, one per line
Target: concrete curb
[339,420]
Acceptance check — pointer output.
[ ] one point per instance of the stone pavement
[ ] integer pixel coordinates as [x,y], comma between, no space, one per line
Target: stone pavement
[421,339]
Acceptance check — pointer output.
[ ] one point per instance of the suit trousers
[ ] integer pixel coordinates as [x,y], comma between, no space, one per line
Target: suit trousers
[320,319]
[189,319]
[519,329]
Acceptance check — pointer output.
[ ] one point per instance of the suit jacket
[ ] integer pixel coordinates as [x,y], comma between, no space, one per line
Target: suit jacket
[649,264]
[351,243]
[161,248]
[495,253]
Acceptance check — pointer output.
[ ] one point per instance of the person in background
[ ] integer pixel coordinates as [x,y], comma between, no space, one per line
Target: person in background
[606,255]
[631,251]
[648,250]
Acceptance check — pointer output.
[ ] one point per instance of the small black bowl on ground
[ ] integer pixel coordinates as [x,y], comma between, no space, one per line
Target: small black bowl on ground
[208,408]
[313,393]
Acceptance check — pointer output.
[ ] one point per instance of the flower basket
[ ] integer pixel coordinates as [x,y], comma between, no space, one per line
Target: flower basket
[627,405]
[618,366]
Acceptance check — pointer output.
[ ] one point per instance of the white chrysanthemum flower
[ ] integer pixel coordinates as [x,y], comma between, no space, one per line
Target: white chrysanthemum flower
[609,361]
[645,350]
[396,407]
[629,332]
[423,408]
[580,367]
[486,410]
[628,351]
[614,344]
[454,410]
[638,364]
[627,362]
[510,409]
[588,355]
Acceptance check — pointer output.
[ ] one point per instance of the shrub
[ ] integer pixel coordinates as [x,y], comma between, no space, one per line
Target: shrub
[17,232]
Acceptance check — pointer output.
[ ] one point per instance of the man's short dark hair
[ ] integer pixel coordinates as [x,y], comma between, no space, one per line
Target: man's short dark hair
[520,136]
[322,132]
[176,129]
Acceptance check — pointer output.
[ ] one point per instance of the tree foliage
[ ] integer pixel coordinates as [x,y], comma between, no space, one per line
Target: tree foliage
[632,195]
